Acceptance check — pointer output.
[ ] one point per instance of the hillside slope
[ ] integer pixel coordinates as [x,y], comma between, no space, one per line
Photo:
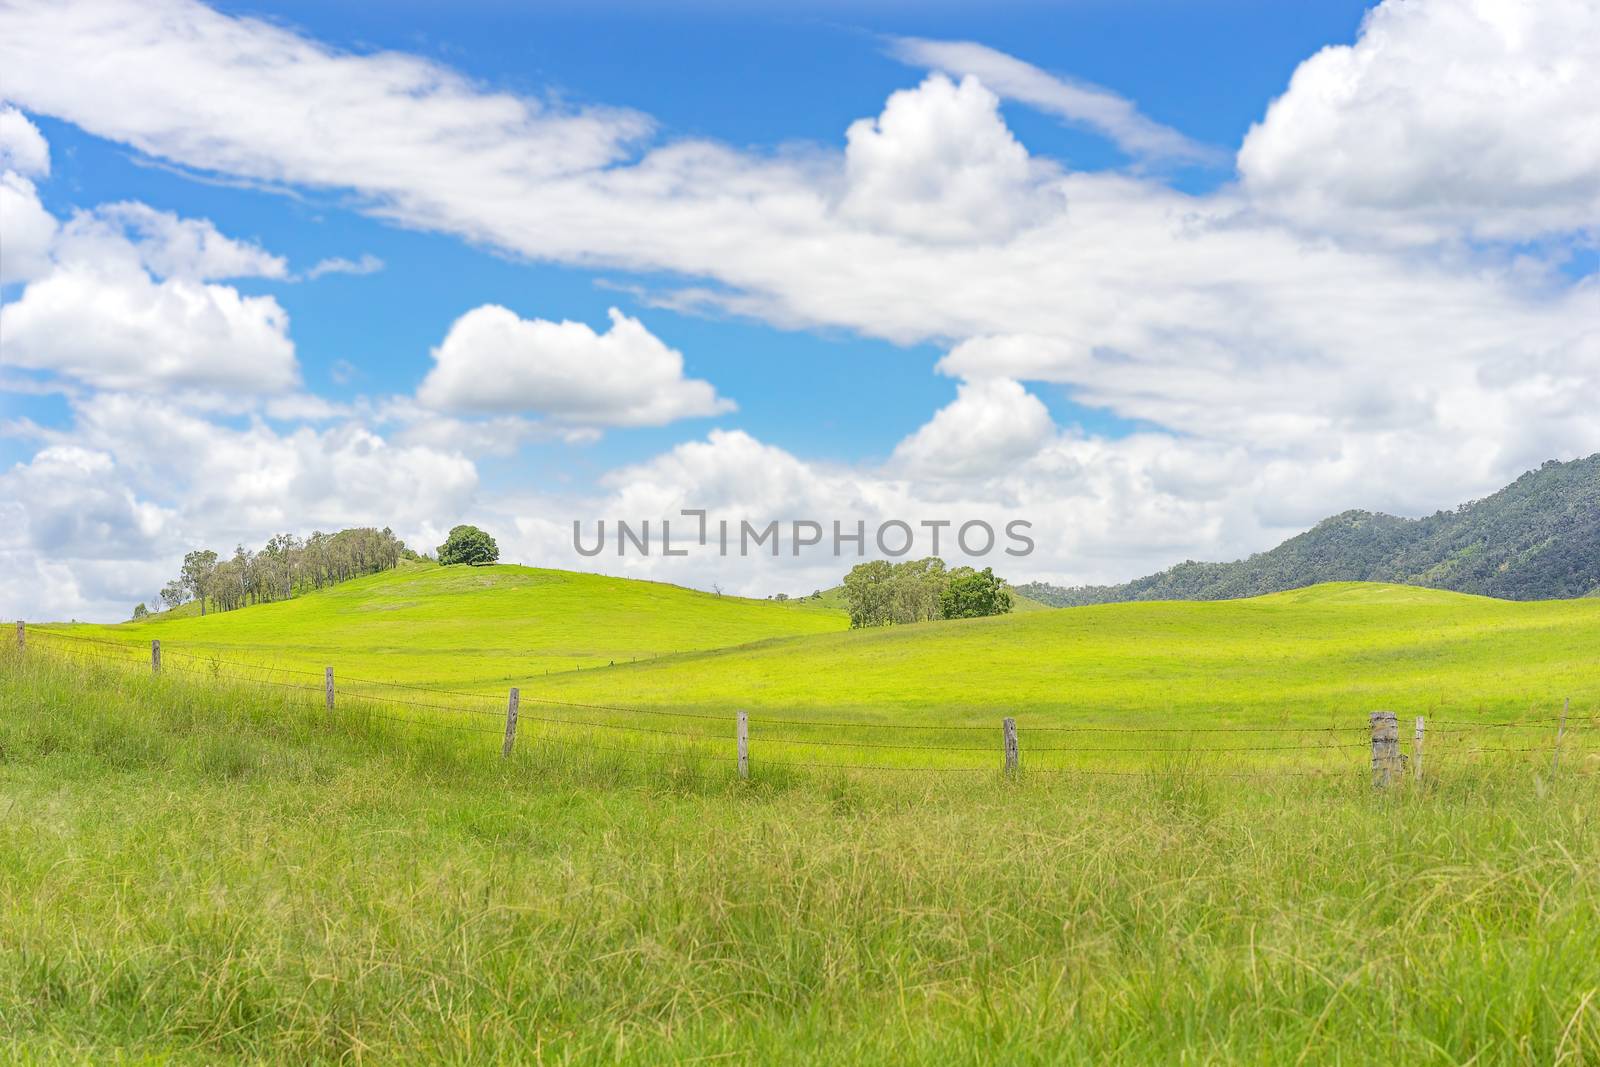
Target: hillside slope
[1538,538]
[1336,649]
[1331,650]
[440,624]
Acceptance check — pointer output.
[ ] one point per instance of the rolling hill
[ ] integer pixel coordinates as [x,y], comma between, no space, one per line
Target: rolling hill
[1332,650]
[212,866]
[203,872]
[426,623]
[1538,538]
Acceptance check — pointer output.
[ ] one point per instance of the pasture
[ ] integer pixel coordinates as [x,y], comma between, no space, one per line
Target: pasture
[208,864]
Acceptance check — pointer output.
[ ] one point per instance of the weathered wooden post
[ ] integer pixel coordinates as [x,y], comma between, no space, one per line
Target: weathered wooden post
[742,732]
[1561,730]
[155,656]
[511,723]
[1385,748]
[1009,730]
[22,635]
[1416,753]
[327,682]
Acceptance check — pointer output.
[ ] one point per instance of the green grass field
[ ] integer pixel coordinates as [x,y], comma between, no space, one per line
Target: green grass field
[476,624]
[666,661]
[200,873]
[208,866]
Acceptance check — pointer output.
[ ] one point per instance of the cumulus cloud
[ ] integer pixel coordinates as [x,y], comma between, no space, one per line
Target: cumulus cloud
[22,147]
[118,298]
[1445,116]
[939,164]
[27,230]
[119,328]
[1078,102]
[104,511]
[1099,509]
[1290,359]
[992,423]
[77,508]
[494,361]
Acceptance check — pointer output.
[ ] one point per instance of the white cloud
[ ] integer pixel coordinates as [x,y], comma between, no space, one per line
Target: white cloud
[1078,102]
[1444,116]
[118,328]
[939,164]
[367,264]
[1291,365]
[234,95]
[167,245]
[300,407]
[262,479]
[74,538]
[494,361]
[104,511]
[992,424]
[1099,510]
[22,146]
[117,298]
[27,230]
[76,507]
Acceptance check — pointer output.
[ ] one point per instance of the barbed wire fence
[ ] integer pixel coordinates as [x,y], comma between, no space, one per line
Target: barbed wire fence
[1269,749]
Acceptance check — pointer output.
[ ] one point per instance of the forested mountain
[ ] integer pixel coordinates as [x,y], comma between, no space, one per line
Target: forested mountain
[1538,538]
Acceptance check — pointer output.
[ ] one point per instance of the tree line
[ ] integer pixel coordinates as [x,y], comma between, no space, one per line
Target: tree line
[880,593]
[284,566]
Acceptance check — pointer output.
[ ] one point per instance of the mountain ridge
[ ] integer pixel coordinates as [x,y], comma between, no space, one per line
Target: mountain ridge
[1536,539]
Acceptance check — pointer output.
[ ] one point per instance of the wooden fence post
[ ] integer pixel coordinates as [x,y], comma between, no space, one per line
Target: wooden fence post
[1009,729]
[22,635]
[1385,747]
[155,656]
[327,682]
[1561,731]
[742,732]
[511,723]
[1416,753]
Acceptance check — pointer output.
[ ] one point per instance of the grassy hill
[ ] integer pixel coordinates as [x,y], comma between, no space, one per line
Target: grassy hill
[1314,657]
[198,871]
[1538,538]
[1303,656]
[208,865]
[425,623]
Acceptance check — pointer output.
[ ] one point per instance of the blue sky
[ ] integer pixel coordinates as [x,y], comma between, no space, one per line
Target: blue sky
[968,304]
[752,79]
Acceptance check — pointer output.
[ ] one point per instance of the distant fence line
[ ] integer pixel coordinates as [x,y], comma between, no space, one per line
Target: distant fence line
[1387,765]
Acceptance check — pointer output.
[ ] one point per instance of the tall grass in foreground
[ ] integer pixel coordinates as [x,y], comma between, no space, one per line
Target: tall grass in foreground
[198,873]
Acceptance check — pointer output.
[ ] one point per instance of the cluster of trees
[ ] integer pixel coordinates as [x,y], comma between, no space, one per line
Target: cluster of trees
[881,593]
[1533,540]
[286,565]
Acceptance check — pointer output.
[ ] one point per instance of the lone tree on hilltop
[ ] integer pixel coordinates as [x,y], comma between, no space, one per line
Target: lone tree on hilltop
[468,544]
